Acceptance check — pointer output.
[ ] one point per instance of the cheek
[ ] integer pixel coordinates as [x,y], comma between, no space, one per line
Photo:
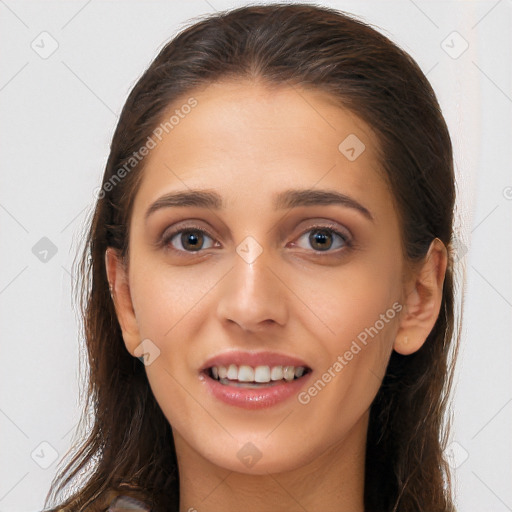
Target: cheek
[350,299]
[166,299]
[359,306]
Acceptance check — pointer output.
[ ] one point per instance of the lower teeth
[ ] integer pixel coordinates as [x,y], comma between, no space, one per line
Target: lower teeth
[252,385]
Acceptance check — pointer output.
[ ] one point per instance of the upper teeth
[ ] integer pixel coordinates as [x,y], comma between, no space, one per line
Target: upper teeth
[244,373]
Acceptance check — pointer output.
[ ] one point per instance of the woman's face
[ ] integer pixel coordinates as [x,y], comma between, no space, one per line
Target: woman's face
[290,258]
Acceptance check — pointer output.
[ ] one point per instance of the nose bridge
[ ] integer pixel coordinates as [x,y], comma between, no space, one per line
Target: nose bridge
[252,295]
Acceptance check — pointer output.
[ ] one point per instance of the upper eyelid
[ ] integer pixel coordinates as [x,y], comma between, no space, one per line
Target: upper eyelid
[189,227]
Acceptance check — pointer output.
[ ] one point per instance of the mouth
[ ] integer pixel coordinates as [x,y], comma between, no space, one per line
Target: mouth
[263,376]
[254,380]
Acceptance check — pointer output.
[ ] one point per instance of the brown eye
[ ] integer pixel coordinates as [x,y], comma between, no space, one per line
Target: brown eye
[323,239]
[320,240]
[189,240]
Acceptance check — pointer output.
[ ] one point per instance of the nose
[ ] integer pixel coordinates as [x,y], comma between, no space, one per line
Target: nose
[253,295]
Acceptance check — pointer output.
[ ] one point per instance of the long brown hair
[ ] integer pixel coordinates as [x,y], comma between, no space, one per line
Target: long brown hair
[130,444]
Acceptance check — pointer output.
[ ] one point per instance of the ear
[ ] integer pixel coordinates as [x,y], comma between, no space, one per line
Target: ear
[424,293]
[117,275]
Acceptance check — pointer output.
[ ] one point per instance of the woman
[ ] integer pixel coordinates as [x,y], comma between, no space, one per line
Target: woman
[268,286]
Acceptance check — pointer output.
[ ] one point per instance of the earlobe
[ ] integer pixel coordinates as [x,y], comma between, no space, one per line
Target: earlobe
[117,276]
[423,298]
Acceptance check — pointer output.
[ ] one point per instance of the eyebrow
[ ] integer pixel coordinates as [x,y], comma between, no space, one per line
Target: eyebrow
[287,199]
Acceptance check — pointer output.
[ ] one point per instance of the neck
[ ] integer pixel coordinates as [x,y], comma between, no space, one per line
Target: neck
[333,480]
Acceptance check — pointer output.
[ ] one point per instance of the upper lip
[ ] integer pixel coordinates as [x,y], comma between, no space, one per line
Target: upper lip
[253,359]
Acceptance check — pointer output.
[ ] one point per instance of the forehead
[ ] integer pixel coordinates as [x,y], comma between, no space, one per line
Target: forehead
[261,139]
[227,112]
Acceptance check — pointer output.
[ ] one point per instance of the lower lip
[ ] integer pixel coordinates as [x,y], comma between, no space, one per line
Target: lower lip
[254,398]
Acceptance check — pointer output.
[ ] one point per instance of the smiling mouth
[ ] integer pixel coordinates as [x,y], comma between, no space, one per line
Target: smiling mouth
[245,376]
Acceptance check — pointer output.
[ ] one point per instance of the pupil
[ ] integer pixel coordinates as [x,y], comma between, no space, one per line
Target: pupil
[192,240]
[320,237]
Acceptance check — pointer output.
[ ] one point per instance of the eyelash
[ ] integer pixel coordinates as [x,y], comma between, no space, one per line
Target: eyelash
[348,243]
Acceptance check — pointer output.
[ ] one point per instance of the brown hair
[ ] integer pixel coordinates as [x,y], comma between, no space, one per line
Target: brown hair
[130,442]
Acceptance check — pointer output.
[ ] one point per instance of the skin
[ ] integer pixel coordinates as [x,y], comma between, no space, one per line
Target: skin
[247,143]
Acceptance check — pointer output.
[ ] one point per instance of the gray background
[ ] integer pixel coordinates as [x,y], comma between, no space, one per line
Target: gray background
[58,113]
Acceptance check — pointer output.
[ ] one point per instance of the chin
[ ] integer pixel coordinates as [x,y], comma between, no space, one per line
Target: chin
[258,455]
